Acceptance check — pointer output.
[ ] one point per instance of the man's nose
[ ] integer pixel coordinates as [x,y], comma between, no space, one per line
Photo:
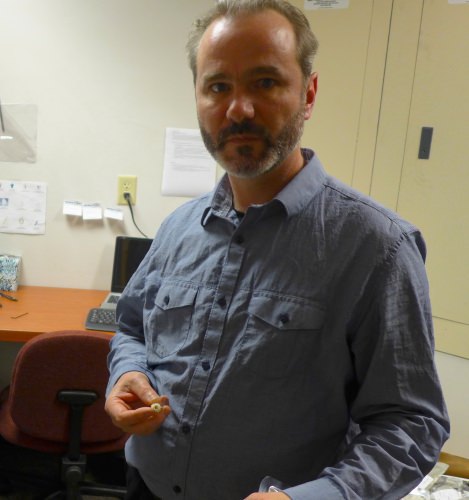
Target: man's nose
[240,108]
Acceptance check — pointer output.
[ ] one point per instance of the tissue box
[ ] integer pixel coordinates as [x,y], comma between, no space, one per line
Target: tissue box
[9,271]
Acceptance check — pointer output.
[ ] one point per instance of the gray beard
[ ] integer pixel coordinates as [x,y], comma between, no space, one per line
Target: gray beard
[246,165]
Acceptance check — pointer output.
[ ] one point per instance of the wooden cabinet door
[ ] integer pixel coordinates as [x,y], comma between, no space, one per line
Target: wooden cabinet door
[433,193]
[351,58]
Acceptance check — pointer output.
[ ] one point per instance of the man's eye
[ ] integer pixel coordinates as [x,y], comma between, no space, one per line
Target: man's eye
[266,83]
[217,88]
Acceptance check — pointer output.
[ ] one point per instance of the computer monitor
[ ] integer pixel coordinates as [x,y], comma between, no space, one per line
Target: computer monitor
[128,254]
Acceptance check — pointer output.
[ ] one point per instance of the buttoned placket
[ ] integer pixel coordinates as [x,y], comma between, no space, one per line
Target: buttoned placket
[208,356]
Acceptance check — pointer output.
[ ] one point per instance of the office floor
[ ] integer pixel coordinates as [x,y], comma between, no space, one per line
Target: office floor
[30,494]
[15,464]
[26,496]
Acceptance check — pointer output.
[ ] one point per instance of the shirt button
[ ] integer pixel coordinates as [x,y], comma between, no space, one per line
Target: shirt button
[206,365]
[222,302]
[186,428]
[166,300]
[284,318]
[177,488]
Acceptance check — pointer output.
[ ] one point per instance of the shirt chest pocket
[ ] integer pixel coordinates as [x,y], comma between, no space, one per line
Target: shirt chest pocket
[169,322]
[280,336]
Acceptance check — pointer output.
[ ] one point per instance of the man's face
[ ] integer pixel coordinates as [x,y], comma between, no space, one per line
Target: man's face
[250,92]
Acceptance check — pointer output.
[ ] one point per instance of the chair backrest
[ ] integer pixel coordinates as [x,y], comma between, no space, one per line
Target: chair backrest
[52,362]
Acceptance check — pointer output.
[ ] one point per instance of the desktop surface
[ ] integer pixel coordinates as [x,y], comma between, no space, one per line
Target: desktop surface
[45,309]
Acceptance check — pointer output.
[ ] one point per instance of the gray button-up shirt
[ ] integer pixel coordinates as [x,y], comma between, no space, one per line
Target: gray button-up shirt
[295,342]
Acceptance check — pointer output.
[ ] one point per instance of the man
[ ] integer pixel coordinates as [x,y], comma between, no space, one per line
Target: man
[282,322]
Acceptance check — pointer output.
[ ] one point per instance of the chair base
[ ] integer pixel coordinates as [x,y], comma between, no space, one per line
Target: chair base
[32,475]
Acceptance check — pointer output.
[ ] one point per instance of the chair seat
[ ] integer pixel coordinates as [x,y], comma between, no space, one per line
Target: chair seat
[13,434]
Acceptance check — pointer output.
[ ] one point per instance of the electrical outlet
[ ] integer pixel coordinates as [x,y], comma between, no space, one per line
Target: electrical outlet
[126,184]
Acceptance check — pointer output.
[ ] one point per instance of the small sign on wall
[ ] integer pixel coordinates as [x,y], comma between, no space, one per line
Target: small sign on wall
[22,207]
[326,4]
[458,2]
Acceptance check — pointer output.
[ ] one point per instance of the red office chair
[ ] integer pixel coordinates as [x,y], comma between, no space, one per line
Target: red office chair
[54,407]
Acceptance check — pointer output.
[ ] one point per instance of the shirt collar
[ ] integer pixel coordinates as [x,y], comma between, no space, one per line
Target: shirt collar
[307,183]
[305,186]
[220,203]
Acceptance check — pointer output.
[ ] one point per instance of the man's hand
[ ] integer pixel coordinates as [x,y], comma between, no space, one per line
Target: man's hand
[128,405]
[268,496]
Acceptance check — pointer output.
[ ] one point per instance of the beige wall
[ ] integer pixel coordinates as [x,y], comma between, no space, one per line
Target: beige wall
[108,76]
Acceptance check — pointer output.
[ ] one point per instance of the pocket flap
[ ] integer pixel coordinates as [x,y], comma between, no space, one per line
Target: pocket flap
[287,314]
[171,297]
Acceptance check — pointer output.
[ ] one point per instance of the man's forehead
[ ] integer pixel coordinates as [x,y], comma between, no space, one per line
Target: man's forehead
[247,38]
[263,25]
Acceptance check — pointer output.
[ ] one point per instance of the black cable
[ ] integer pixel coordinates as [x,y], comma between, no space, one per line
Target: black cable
[127,199]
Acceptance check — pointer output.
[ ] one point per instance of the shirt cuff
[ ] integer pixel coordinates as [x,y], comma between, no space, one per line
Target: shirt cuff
[317,489]
[114,377]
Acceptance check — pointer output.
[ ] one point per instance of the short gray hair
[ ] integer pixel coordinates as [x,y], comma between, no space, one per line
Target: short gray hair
[306,42]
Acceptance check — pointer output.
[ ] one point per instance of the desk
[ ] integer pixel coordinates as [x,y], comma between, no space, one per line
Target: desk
[44,309]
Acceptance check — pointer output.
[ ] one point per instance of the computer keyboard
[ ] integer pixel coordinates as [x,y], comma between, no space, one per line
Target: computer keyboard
[101,319]
[113,299]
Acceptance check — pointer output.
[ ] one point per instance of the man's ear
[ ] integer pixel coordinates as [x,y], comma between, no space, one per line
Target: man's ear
[311,91]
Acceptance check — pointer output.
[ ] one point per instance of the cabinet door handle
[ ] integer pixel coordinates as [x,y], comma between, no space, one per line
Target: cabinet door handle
[425,143]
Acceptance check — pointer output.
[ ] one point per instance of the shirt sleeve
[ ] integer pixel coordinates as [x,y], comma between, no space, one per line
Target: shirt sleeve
[398,409]
[128,351]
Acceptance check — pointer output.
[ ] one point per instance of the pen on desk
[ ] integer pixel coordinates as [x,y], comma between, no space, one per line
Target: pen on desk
[19,316]
[9,297]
